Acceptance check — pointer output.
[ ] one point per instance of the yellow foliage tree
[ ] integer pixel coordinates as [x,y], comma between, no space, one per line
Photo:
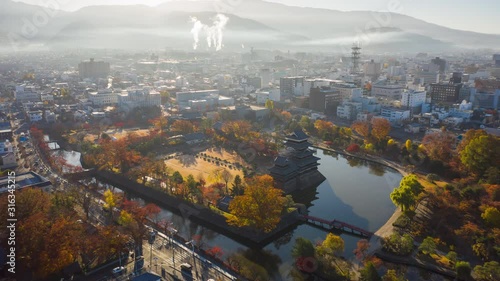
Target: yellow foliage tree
[260,207]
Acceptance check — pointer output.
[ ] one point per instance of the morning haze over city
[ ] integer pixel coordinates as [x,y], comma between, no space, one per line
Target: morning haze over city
[249,140]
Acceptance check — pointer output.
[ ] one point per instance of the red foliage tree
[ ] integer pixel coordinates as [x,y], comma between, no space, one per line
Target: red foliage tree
[352,148]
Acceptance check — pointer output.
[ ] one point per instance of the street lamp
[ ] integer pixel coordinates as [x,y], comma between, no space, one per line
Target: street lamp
[156,264]
[172,232]
[151,240]
[194,261]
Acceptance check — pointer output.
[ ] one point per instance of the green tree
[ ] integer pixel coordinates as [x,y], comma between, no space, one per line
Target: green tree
[428,246]
[489,271]
[237,188]
[463,270]
[492,216]
[452,256]
[478,155]
[177,177]
[369,273]
[405,195]
[392,275]
[303,248]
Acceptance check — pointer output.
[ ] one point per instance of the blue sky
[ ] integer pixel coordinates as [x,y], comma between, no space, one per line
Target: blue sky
[474,15]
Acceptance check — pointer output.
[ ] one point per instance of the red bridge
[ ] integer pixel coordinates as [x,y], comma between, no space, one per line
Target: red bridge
[336,224]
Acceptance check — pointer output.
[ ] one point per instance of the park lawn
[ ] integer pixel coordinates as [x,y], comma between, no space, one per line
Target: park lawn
[223,154]
[188,164]
[118,134]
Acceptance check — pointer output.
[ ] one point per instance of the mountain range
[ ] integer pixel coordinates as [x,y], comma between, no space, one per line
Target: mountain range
[255,23]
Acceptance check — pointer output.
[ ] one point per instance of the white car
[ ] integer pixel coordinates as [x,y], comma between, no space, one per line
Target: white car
[118,270]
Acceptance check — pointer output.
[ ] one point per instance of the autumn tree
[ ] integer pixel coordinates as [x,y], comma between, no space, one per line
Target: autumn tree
[491,216]
[269,104]
[362,128]
[160,123]
[380,128]
[408,145]
[134,217]
[182,127]
[286,116]
[330,249]
[392,275]
[226,176]
[324,128]
[237,130]
[362,247]
[439,145]
[260,207]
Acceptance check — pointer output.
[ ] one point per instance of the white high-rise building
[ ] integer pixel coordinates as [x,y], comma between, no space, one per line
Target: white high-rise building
[413,98]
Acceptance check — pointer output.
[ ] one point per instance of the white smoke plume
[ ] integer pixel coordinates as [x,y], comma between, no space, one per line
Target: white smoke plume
[214,33]
[197,28]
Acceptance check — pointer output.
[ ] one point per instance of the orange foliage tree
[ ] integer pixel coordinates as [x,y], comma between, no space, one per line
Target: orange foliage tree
[362,128]
[182,127]
[380,128]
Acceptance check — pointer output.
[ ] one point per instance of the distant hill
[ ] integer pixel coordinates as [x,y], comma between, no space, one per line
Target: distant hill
[251,23]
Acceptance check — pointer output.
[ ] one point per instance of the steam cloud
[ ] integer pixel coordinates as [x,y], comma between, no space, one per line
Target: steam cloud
[214,33]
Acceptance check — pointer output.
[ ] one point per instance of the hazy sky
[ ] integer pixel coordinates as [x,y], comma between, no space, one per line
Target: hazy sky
[474,15]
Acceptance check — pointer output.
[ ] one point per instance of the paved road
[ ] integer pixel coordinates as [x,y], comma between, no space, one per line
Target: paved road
[161,261]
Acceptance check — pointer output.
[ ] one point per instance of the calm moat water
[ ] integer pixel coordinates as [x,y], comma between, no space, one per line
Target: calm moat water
[355,191]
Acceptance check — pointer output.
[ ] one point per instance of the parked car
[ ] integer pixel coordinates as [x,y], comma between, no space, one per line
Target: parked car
[118,271]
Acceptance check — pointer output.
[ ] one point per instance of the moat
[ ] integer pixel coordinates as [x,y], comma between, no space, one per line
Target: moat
[355,191]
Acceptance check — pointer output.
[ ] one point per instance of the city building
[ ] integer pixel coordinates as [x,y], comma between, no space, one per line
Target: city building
[427,77]
[133,98]
[50,117]
[486,100]
[266,77]
[292,86]
[372,69]
[5,131]
[395,115]
[413,99]
[25,93]
[441,63]
[246,112]
[93,69]
[310,84]
[298,167]
[7,160]
[184,98]
[29,179]
[325,99]
[385,90]
[347,91]
[263,95]
[445,93]
[47,97]
[496,60]
[35,116]
[103,97]
[349,110]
